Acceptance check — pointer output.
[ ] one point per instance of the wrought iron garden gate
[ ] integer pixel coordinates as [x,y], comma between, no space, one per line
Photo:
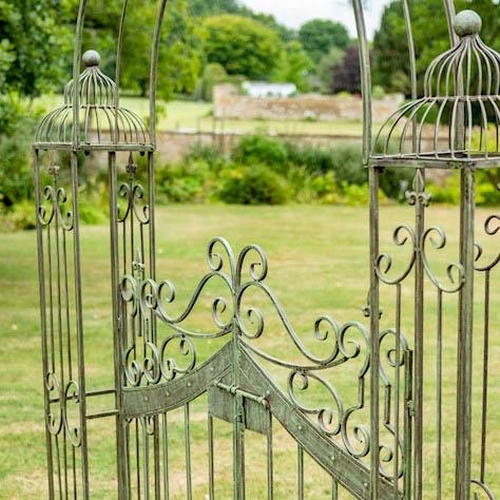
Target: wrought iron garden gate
[219,356]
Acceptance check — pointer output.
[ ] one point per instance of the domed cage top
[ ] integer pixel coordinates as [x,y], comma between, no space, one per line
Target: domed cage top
[458,118]
[102,123]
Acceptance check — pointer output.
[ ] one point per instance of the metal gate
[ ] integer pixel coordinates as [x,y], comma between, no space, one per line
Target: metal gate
[212,376]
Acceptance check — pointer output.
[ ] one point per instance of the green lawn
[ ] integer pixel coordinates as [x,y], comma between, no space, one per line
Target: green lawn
[318,258]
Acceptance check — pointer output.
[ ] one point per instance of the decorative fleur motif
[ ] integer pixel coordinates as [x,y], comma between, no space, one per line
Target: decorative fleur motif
[418,194]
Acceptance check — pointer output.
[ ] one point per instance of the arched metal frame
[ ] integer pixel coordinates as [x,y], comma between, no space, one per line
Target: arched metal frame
[376,449]
[456,155]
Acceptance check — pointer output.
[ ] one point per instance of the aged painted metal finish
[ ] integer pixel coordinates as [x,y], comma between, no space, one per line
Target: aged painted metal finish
[372,442]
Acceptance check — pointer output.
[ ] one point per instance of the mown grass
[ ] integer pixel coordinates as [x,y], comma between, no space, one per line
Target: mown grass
[318,259]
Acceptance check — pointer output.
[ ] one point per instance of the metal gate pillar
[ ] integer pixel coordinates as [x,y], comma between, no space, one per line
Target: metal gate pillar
[91,120]
[461,108]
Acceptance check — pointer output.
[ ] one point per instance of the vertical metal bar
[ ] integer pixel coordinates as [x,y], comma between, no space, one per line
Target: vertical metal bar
[486,347]
[118,328]
[145,456]
[43,320]
[465,336]
[439,395]
[411,55]
[335,489]
[374,335]
[211,471]
[365,72]
[397,391]
[138,458]
[157,458]
[155,47]
[166,487]
[408,425]
[270,468]
[449,9]
[419,333]
[300,472]
[79,327]
[187,441]
[59,352]
[239,447]
[152,229]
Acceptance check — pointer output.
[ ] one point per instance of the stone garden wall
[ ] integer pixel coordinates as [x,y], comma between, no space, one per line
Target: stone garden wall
[228,104]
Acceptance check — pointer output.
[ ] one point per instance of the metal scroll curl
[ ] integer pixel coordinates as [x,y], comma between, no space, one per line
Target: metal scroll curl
[56,199]
[491,228]
[64,419]
[132,195]
[481,490]
[454,271]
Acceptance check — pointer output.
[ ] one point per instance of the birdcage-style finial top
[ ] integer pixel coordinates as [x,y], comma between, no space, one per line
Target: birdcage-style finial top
[102,122]
[458,119]
[467,22]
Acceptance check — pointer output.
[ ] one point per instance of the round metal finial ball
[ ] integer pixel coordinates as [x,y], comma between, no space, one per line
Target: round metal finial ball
[467,22]
[91,58]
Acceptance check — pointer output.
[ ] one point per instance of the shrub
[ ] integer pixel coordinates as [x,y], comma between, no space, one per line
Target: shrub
[253,185]
[347,164]
[184,182]
[355,194]
[210,154]
[314,159]
[487,193]
[259,149]
[20,216]
[394,182]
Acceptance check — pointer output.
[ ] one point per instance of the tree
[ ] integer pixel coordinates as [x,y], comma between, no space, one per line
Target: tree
[241,45]
[319,35]
[294,66]
[346,75]
[33,46]
[324,70]
[206,8]
[390,48]
[180,59]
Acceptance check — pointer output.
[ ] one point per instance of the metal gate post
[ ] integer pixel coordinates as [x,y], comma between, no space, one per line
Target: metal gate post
[461,89]
[465,336]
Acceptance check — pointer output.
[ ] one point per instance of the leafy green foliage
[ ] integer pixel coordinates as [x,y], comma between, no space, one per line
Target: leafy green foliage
[318,36]
[261,149]
[293,66]
[241,45]
[390,48]
[214,74]
[253,185]
[16,176]
[187,181]
[180,58]
[33,46]
[206,8]
[324,70]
